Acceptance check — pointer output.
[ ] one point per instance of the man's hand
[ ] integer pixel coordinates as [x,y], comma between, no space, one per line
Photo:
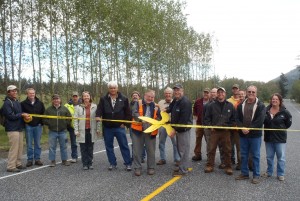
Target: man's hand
[245,131]
[173,133]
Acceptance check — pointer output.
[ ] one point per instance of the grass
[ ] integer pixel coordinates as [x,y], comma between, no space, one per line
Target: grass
[4,144]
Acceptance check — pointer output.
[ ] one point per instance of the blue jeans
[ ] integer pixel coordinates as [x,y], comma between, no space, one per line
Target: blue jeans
[162,142]
[279,150]
[33,133]
[250,145]
[74,153]
[61,137]
[120,134]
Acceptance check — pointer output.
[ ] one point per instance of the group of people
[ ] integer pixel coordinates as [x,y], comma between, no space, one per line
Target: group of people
[233,125]
[238,123]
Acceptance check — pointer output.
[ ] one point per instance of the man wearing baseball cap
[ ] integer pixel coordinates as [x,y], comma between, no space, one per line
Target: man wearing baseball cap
[234,135]
[198,114]
[57,130]
[220,113]
[181,113]
[14,125]
[75,100]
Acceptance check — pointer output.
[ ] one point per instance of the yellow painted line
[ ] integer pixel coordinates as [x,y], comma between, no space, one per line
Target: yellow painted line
[163,187]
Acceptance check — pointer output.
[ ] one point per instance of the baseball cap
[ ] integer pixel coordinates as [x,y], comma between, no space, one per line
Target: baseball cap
[135,92]
[75,93]
[235,86]
[206,90]
[55,96]
[11,87]
[221,88]
[178,86]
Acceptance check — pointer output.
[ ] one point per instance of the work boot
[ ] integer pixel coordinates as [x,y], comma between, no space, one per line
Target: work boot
[208,169]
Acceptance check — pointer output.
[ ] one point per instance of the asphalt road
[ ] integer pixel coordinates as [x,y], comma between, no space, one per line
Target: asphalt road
[72,183]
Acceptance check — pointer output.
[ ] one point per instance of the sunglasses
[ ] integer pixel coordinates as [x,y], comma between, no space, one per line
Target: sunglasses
[251,92]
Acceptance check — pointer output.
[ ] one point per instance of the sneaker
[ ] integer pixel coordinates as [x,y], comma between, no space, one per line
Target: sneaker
[137,172]
[242,177]
[176,169]
[128,167]
[151,171]
[91,167]
[280,178]
[38,163]
[73,160]
[52,164]
[208,169]
[197,158]
[228,171]
[179,174]
[161,162]
[265,175]
[66,163]
[13,170]
[111,167]
[255,180]
[21,167]
[29,164]
[85,168]
[222,166]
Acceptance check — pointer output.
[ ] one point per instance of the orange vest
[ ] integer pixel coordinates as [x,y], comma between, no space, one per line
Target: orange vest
[138,126]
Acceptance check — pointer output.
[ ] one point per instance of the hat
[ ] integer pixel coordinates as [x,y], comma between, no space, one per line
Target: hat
[235,86]
[55,96]
[221,88]
[178,86]
[206,90]
[75,93]
[135,92]
[11,87]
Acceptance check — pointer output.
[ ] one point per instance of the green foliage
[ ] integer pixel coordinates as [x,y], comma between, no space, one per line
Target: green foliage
[283,82]
[295,91]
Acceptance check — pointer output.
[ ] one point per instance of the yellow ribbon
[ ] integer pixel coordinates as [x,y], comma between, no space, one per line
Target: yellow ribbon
[162,123]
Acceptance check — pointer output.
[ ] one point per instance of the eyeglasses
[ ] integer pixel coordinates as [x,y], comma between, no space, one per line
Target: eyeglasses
[251,92]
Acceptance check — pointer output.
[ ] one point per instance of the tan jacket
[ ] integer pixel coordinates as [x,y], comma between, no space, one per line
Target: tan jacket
[79,124]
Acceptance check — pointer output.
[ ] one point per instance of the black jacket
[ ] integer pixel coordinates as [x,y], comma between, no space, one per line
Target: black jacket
[37,108]
[257,120]
[13,115]
[219,114]
[181,113]
[282,120]
[121,111]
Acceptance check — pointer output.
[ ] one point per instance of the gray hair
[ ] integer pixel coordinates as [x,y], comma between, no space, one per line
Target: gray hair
[112,84]
[168,89]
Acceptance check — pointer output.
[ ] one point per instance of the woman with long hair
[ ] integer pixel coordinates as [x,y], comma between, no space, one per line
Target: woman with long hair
[86,129]
[277,117]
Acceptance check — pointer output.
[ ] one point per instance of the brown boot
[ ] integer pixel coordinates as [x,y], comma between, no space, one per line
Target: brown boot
[228,171]
[208,169]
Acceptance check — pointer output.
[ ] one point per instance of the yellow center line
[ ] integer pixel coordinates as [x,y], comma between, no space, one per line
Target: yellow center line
[163,187]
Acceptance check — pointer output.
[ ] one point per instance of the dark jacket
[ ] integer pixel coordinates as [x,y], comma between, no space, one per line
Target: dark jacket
[37,108]
[181,113]
[219,114]
[257,118]
[56,124]
[13,115]
[198,111]
[121,111]
[282,120]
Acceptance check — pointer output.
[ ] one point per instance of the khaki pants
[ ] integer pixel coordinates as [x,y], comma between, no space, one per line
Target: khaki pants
[198,144]
[16,149]
[219,137]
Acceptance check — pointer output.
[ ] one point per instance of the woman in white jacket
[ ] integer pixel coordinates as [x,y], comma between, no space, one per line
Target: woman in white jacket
[86,129]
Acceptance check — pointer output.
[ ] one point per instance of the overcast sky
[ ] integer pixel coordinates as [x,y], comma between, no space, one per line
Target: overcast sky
[255,40]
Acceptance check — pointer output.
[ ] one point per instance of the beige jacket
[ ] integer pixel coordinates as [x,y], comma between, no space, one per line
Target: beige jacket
[79,124]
